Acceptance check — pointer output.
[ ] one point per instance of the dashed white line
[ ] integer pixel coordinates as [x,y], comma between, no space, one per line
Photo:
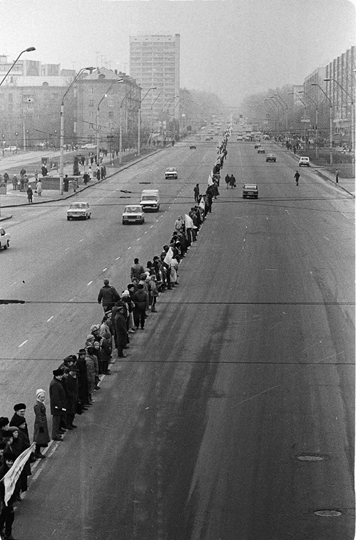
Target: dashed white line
[23,343]
[81,240]
[90,282]
[151,227]
[104,270]
[287,212]
[117,258]
[326,238]
[50,319]
[129,247]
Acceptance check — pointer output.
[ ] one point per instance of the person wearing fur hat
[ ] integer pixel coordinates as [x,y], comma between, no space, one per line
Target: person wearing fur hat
[57,398]
[40,434]
[71,389]
[19,420]
[4,424]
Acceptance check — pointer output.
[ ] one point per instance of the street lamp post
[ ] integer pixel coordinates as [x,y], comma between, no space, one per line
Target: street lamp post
[330,122]
[97,116]
[61,136]
[139,120]
[286,115]
[152,111]
[316,121]
[276,103]
[29,49]
[120,120]
[352,123]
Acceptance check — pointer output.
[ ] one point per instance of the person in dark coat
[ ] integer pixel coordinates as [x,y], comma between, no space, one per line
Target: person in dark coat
[19,420]
[82,376]
[232,181]
[196,192]
[17,445]
[107,296]
[119,315]
[40,434]
[58,403]
[7,514]
[71,389]
[29,194]
[140,299]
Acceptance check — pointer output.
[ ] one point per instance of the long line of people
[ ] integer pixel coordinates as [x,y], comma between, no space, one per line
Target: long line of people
[77,379]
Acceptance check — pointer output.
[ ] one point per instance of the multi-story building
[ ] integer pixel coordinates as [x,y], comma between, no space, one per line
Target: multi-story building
[333,89]
[30,101]
[107,103]
[154,63]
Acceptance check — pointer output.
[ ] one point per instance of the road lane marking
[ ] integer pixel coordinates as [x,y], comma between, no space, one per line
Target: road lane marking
[129,247]
[90,282]
[138,239]
[50,318]
[326,238]
[81,240]
[256,395]
[104,269]
[287,212]
[23,343]
[117,258]
[151,227]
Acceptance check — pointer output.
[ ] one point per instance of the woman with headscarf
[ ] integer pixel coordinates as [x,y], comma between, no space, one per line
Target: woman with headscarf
[40,435]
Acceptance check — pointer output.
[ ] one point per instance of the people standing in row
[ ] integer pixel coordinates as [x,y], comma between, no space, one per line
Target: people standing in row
[40,435]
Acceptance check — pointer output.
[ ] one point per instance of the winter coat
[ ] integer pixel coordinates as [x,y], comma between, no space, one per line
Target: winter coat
[71,389]
[40,433]
[141,299]
[90,361]
[107,295]
[57,397]
[17,420]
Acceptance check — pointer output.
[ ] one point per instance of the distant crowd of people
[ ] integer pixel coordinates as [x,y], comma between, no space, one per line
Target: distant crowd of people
[77,379]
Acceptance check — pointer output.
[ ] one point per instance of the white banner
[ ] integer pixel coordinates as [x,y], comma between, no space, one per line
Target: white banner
[13,474]
[169,256]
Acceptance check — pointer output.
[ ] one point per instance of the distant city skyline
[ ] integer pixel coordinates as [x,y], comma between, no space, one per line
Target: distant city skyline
[232,48]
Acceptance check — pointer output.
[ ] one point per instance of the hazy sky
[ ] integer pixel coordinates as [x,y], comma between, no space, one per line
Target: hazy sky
[231,47]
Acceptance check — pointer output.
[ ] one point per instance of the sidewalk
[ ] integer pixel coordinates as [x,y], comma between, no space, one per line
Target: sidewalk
[14,198]
[346,184]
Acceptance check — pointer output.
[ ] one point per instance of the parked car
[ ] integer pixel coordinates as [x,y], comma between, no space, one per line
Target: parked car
[4,238]
[250,190]
[88,146]
[304,161]
[271,157]
[171,172]
[11,148]
[78,210]
[133,213]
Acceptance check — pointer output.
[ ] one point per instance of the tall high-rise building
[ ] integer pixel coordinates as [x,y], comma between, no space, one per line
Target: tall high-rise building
[154,63]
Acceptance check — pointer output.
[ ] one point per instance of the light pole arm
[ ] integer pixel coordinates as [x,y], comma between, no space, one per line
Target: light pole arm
[29,49]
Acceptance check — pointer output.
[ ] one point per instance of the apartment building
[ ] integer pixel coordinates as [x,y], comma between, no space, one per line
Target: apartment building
[155,64]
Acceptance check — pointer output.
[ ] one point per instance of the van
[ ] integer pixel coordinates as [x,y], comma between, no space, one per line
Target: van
[150,200]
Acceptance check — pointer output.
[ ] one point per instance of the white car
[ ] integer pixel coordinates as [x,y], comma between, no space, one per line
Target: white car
[4,238]
[133,213]
[78,210]
[250,190]
[304,161]
[11,148]
[88,146]
[171,172]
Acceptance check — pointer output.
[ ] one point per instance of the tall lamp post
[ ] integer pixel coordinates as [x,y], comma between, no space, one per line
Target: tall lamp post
[61,136]
[330,121]
[277,104]
[286,106]
[305,113]
[152,111]
[316,120]
[29,49]
[139,120]
[352,123]
[97,116]
[120,120]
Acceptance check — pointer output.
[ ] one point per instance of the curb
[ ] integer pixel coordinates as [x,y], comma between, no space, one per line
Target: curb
[123,168]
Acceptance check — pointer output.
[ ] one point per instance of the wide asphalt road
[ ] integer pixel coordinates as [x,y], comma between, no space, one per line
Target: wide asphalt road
[233,415]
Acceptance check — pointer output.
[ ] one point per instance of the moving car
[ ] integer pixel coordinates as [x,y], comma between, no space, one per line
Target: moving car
[150,200]
[133,213]
[89,146]
[239,138]
[250,190]
[209,138]
[171,172]
[261,150]
[257,145]
[271,157]
[78,210]
[192,147]
[4,238]
[304,161]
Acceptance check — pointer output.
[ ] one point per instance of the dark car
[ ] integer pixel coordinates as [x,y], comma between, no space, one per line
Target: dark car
[271,157]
